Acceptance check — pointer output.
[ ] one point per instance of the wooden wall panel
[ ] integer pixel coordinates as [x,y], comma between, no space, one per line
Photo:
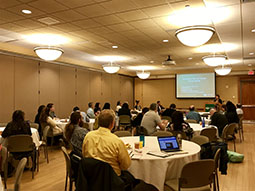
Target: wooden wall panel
[106,89]
[83,89]
[126,90]
[67,90]
[95,87]
[49,84]
[115,90]
[6,88]
[26,87]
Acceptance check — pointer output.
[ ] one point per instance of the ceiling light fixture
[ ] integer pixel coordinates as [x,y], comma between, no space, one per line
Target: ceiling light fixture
[165,40]
[190,58]
[194,35]
[111,68]
[114,46]
[214,60]
[223,71]
[26,11]
[253,30]
[48,53]
[143,75]
[251,53]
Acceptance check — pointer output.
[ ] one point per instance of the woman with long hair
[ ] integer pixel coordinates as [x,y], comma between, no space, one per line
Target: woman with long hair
[37,118]
[97,108]
[46,119]
[230,113]
[107,106]
[75,133]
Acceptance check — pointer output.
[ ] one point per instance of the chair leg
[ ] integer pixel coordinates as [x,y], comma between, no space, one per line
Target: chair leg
[52,139]
[46,151]
[217,177]
[70,185]
[38,153]
[66,181]
[242,132]
[234,145]
[240,135]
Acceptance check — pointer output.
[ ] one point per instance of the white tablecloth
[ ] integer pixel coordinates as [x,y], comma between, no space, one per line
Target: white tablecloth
[35,136]
[61,124]
[155,170]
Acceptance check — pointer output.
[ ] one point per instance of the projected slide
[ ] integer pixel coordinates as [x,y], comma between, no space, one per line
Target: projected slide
[195,85]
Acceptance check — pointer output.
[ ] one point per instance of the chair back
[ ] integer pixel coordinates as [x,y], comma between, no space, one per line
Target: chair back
[216,158]
[200,139]
[20,143]
[124,119]
[45,133]
[4,166]
[122,133]
[3,124]
[183,134]
[68,161]
[162,134]
[191,121]
[19,173]
[169,119]
[140,130]
[34,125]
[210,132]
[197,174]
[229,130]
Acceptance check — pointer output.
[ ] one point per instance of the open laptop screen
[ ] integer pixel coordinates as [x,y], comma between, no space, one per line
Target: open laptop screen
[168,143]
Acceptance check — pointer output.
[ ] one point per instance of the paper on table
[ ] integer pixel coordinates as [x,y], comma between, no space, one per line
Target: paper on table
[159,154]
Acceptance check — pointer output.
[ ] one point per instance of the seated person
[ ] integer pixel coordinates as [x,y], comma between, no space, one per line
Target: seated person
[97,108]
[37,119]
[137,105]
[218,119]
[46,119]
[75,133]
[124,110]
[118,106]
[151,120]
[169,111]
[178,124]
[90,111]
[85,118]
[193,114]
[137,121]
[103,145]
[18,126]
[230,113]
[52,110]
[160,107]
[239,110]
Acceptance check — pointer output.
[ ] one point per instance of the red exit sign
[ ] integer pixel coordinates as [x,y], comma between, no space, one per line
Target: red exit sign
[250,72]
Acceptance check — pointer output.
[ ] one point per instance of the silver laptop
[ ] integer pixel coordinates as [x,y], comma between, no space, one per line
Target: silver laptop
[168,144]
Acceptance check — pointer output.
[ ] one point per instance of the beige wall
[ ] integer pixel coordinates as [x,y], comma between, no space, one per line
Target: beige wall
[149,91]
[25,84]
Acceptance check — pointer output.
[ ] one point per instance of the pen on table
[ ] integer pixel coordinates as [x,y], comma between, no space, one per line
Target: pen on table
[132,155]
[130,152]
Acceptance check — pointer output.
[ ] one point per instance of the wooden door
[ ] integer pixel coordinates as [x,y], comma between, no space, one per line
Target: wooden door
[247,98]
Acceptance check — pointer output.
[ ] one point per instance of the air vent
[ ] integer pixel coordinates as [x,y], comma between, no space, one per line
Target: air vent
[48,21]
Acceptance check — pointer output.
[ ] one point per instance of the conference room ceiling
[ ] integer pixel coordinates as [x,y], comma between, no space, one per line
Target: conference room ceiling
[89,28]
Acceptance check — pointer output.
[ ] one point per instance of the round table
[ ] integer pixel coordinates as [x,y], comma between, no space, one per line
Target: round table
[155,170]
[35,137]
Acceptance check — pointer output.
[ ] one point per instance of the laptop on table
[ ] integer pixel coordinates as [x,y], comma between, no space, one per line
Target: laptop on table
[168,144]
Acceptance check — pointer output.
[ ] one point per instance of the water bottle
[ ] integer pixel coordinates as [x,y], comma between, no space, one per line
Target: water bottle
[203,122]
[142,139]
[179,140]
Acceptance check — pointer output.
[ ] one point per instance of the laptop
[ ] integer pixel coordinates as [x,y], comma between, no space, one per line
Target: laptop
[168,144]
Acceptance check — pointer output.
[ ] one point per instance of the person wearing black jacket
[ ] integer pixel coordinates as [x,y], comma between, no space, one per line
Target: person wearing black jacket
[219,120]
[231,114]
[169,111]
[137,121]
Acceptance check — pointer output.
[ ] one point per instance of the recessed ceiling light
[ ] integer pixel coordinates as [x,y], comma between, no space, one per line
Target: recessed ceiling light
[251,53]
[187,6]
[253,30]
[249,64]
[26,11]
[190,58]
[151,61]
[114,46]
[197,63]
[165,40]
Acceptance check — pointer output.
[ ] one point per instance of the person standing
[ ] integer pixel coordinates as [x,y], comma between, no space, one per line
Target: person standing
[90,111]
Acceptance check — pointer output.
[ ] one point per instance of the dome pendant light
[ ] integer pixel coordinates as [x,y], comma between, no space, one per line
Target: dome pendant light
[48,53]
[195,35]
[223,71]
[214,60]
[143,75]
[111,68]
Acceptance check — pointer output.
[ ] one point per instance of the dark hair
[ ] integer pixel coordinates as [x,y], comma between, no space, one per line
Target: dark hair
[97,105]
[192,108]
[153,106]
[107,106]
[217,95]
[106,118]
[145,110]
[44,115]
[137,101]
[118,102]
[230,107]
[177,120]
[18,116]
[125,105]
[239,105]
[158,101]
[76,108]
[50,105]
[172,106]
[40,108]
[90,104]
[74,120]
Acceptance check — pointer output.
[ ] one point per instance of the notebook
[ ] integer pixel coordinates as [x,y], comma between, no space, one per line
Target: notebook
[168,144]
